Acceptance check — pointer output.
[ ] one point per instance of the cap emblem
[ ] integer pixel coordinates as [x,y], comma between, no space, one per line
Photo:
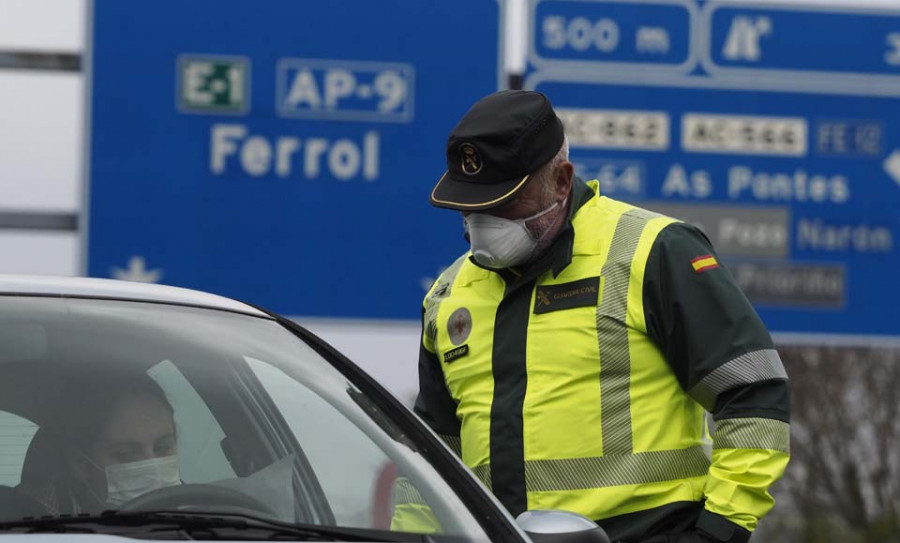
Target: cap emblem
[471,160]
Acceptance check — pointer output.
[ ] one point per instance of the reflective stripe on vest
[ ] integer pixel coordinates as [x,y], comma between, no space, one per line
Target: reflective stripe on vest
[615,470]
[612,333]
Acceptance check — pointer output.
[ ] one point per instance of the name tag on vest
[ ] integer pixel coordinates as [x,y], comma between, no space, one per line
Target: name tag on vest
[581,293]
[458,352]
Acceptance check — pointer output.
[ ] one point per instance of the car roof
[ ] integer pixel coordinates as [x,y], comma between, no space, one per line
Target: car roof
[82,287]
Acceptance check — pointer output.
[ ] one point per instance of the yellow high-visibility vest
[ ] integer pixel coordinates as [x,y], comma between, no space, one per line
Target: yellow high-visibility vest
[565,402]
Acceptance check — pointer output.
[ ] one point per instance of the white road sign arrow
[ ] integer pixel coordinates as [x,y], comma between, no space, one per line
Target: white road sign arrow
[892,166]
[137,271]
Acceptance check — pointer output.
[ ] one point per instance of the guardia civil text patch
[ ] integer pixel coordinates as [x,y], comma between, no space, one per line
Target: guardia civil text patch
[584,292]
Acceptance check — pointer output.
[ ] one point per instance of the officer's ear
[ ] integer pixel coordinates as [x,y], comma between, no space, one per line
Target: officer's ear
[564,176]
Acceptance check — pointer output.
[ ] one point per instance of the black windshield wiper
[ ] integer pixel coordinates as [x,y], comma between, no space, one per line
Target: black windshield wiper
[206,525]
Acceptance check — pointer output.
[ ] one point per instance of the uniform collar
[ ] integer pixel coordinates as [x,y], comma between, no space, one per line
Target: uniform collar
[559,255]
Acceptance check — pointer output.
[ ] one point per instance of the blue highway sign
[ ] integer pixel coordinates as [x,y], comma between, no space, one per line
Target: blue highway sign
[804,39]
[794,174]
[282,152]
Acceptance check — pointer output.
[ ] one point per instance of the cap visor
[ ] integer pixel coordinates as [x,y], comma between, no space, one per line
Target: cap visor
[468,196]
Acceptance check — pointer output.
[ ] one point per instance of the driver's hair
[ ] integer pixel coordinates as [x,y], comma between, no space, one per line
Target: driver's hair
[92,402]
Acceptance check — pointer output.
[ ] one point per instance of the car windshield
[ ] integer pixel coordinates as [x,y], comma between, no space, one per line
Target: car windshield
[136,406]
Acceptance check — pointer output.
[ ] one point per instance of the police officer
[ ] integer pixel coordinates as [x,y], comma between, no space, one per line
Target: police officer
[571,354]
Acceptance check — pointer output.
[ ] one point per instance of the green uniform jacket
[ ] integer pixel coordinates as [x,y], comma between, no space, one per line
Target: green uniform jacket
[581,382]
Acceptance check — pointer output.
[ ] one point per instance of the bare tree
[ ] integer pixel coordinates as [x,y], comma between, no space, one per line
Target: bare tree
[843,482]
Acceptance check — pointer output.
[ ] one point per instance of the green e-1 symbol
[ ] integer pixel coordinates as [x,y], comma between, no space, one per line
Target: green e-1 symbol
[213,84]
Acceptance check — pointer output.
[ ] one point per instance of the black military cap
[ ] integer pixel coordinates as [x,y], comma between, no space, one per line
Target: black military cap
[500,141]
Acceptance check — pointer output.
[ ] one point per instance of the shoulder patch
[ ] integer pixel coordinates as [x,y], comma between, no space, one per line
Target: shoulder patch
[459,326]
[704,263]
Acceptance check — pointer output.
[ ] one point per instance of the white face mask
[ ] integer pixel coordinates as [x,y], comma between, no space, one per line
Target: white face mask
[124,482]
[501,243]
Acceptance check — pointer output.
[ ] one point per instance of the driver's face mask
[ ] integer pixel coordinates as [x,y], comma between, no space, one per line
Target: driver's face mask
[125,482]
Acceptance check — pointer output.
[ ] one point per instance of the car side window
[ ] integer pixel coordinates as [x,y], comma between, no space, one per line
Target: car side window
[15,435]
[350,467]
[199,436]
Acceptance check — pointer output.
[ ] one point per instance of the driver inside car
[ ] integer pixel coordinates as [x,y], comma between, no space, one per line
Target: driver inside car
[118,442]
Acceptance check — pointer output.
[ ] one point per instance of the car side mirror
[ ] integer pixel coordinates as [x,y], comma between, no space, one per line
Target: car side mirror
[554,526]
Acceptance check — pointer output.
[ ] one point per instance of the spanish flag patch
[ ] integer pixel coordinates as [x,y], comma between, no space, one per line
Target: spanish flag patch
[703,263]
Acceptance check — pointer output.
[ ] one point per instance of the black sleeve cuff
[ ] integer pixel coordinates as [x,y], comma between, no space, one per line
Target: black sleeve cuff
[720,529]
